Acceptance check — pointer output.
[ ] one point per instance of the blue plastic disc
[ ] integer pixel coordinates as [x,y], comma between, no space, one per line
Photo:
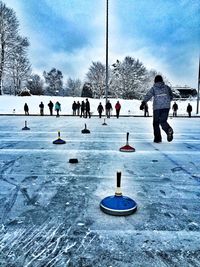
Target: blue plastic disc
[59,142]
[118,205]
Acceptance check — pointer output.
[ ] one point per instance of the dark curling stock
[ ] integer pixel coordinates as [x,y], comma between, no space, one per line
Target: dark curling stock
[25,128]
[127,147]
[85,131]
[104,122]
[73,160]
[59,141]
[118,204]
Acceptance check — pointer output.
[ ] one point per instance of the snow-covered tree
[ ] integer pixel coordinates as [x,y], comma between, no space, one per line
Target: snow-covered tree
[35,84]
[147,83]
[19,66]
[8,36]
[54,81]
[14,63]
[87,90]
[7,85]
[73,87]
[128,77]
[96,76]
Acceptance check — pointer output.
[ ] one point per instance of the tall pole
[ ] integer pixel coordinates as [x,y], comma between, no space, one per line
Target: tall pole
[106,91]
[198,89]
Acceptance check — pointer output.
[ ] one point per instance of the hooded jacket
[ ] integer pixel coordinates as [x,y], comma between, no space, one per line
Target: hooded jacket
[162,96]
[57,106]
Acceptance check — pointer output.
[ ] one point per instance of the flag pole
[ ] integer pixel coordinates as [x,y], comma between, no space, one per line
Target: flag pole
[198,89]
[106,89]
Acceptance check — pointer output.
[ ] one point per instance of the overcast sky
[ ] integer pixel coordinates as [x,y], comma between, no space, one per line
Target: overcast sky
[70,34]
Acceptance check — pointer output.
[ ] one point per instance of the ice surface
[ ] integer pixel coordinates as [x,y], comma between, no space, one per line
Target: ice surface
[49,208]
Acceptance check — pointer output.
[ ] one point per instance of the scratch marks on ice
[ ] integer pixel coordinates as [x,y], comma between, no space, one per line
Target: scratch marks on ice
[44,246]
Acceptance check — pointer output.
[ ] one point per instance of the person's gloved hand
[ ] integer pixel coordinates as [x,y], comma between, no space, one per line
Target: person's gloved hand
[142,105]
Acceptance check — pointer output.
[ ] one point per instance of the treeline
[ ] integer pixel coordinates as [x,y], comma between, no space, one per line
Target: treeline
[128,79]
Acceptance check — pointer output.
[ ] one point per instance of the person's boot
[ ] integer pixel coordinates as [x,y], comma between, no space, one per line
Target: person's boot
[157,140]
[170,135]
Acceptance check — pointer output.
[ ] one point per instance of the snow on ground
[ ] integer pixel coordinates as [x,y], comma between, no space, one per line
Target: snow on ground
[49,208]
[15,105]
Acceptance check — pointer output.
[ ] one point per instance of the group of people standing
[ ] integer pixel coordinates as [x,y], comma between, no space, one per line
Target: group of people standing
[41,106]
[81,109]
[175,109]
[109,108]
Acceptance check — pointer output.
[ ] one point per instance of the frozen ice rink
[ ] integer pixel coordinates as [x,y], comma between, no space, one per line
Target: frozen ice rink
[49,208]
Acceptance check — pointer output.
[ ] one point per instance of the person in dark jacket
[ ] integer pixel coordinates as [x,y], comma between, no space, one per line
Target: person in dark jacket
[189,110]
[87,109]
[175,108]
[50,105]
[162,96]
[26,109]
[74,107]
[117,108]
[108,109]
[78,108]
[82,109]
[41,106]
[100,109]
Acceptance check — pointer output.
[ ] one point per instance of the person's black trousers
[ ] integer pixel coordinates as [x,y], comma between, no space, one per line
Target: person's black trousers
[160,117]
[87,113]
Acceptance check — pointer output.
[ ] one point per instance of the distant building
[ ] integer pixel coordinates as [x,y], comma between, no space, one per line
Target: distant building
[185,91]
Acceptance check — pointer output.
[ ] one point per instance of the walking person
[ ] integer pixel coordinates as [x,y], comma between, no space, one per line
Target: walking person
[175,108]
[41,106]
[108,109]
[82,109]
[78,108]
[57,108]
[50,105]
[162,96]
[74,107]
[117,108]
[100,109]
[87,109]
[189,110]
[26,109]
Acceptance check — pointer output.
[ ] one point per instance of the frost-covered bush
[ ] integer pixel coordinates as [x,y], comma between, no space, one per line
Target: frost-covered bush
[24,92]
